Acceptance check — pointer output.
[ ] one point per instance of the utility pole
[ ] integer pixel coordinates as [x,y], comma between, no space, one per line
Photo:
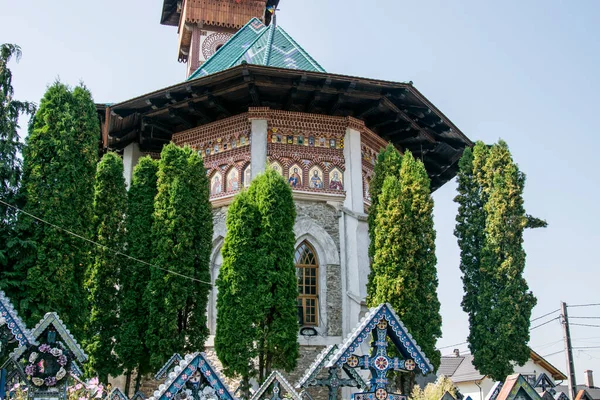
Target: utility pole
[569,350]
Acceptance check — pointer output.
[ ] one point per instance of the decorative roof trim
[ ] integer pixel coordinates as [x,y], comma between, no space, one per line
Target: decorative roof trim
[495,391]
[117,394]
[53,319]
[10,317]
[138,396]
[276,376]
[400,336]
[512,386]
[317,365]
[185,370]
[543,378]
[165,368]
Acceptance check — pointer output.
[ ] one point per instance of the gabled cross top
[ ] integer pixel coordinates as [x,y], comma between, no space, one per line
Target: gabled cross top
[380,363]
[333,381]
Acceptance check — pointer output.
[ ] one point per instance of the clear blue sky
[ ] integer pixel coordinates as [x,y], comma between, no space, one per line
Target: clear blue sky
[524,71]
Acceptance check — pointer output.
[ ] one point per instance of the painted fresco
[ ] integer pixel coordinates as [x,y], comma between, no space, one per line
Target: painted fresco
[336,179]
[316,178]
[233,180]
[216,184]
[295,176]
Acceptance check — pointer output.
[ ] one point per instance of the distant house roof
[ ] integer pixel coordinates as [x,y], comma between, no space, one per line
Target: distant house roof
[258,44]
[593,392]
[461,368]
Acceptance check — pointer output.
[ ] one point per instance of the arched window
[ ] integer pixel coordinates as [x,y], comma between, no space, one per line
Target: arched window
[307,270]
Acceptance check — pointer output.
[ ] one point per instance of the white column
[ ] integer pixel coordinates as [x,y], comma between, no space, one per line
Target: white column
[258,147]
[131,155]
[355,234]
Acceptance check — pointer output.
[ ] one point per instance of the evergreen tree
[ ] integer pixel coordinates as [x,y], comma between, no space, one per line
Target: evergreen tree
[388,163]
[404,264]
[58,183]
[10,168]
[131,346]
[238,305]
[182,241]
[277,336]
[110,206]
[489,229]
[257,310]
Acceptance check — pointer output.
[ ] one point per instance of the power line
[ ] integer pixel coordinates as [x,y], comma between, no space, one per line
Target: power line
[584,317]
[586,347]
[545,323]
[592,326]
[551,354]
[103,246]
[584,305]
[452,345]
[545,315]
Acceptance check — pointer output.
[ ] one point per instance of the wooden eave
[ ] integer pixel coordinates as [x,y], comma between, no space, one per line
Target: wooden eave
[169,15]
[397,112]
[555,372]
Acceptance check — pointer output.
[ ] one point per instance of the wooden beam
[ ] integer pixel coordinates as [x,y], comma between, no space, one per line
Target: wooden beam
[289,103]
[152,104]
[392,107]
[153,124]
[335,106]
[178,116]
[196,109]
[254,95]
[218,105]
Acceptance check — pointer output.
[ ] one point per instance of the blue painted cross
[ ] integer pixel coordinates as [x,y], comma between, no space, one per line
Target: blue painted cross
[379,363]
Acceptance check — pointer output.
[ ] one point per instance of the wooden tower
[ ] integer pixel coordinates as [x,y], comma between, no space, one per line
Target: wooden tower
[205,25]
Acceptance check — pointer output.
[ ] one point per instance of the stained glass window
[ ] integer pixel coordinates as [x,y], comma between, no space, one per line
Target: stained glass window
[307,271]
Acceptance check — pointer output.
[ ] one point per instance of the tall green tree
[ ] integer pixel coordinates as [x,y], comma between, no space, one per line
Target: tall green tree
[388,163]
[134,276]
[278,327]
[489,229]
[257,311]
[10,168]
[59,160]
[239,307]
[110,207]
[404,264]
[182,241]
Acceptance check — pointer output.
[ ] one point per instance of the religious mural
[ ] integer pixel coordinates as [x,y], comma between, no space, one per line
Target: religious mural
[336,179]
[299,139]
[316,178]
[247,176]
[277,168]
[233,180]
[295,176]
[221,145]
[216,184]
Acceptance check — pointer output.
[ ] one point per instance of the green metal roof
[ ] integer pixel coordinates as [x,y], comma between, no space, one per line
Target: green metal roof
[258,44]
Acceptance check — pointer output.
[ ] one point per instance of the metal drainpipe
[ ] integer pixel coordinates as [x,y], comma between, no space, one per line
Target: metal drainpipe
[480,390]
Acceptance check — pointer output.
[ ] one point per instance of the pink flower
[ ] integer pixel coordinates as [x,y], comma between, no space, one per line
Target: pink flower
[83,398]
[79,386]
[93,382]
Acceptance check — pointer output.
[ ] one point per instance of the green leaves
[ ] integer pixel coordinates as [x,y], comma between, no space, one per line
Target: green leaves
[59,166]
[182,242]
[403,271]
[110,208]
[256,305]
[490,225]
[134,276]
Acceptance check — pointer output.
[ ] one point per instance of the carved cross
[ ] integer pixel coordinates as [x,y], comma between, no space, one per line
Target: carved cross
[379,363]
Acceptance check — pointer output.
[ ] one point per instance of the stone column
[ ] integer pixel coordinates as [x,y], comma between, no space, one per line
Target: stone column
[131,155]
[354,230]
[259,119]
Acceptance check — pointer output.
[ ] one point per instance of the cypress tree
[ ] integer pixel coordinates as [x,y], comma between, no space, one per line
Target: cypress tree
[489,229]
[182,241]
[277,328]
[257,309]
[134,277]
[10,168]
[59,160]
[404,264]
[110,206]
[388,163]
[239,307]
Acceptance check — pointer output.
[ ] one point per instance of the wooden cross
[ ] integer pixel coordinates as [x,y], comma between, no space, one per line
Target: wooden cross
[334,382]
[379,363]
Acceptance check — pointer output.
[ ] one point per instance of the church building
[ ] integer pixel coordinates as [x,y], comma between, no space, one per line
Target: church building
[253,97]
